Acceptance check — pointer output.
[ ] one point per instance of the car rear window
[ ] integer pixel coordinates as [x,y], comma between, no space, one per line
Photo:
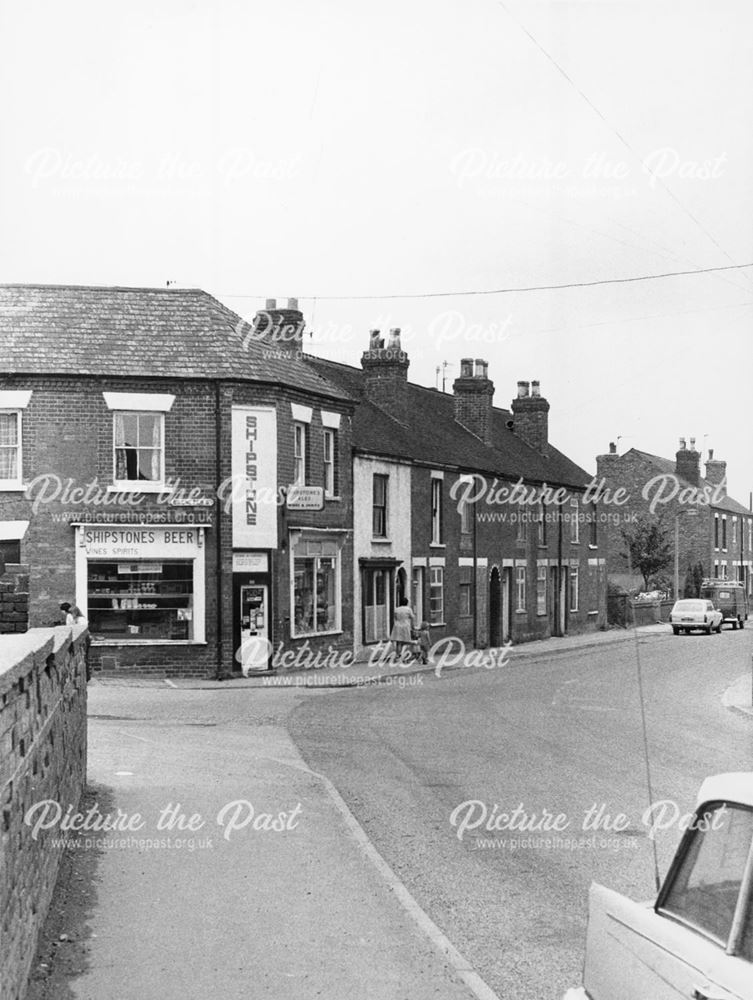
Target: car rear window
[690,606]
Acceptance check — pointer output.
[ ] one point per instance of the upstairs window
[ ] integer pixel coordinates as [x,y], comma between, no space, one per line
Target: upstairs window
[330,462]
[379,506]
[11,466]
[593,530]
[436,511]
[139,447]
[299,452]
[574,522]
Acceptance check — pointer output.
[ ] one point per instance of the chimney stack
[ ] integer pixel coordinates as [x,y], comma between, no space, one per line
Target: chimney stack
[473,392]
[716,472]
[386,373]
[688,462]
[530,416]
[280,327]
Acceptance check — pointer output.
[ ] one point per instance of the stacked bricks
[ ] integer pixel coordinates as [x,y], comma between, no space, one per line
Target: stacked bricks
[14,598]
[42,757]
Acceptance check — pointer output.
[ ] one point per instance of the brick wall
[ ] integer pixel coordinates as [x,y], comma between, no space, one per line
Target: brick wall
[14,598]
[42,756]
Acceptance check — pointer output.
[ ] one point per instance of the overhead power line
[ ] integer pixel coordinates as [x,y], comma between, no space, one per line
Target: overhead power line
[507,291]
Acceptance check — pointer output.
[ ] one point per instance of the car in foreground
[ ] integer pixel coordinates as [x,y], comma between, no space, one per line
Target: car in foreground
[696,939]
[695,613]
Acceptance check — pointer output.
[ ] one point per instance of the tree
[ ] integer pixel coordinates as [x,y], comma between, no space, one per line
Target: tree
[648,549]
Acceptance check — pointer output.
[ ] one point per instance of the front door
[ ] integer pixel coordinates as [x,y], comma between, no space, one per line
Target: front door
[495,610]
[506,598]
[377,604]
[253,615]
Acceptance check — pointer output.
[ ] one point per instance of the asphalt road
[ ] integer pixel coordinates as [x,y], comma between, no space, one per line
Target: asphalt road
[537,740]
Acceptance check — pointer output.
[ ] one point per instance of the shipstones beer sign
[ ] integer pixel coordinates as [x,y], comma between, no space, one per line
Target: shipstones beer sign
[254,469]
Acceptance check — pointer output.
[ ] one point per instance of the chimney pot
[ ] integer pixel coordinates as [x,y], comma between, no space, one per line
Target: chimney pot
[711,454]
[522,390]
[293,304]
[482,368]
[692,444]
[682,444]
[612,448]
[466,368]
[394,341]
[535,389]
[271,304]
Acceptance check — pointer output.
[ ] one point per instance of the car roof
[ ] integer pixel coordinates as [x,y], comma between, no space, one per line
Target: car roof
[735,786]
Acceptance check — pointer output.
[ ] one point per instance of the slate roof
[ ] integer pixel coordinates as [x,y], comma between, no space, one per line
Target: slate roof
[436,438]
[170,332]
[667,467]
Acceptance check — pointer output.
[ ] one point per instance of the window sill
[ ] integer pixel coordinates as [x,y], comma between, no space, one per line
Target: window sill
[521,611]
[381,541]
[592,547]
[437,624]
[8,486]
[315,635]
[437,545]
[332,499]
[143,487]
[147,642]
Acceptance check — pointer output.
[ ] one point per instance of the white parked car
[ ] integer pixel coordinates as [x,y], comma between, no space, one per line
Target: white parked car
[697,613]
[696,940]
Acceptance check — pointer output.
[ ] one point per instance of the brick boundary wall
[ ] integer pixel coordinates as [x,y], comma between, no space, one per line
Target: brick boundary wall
[14,598]
[42,756]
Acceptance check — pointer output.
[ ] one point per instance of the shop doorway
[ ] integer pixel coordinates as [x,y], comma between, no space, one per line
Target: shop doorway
[251,624]
[506,604]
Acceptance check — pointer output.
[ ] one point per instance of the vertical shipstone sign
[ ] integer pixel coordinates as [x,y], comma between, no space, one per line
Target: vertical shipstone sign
[254,471]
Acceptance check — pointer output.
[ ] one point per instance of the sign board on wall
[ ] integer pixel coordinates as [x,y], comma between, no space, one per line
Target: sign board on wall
[250,562]
[254,472]
[305,498]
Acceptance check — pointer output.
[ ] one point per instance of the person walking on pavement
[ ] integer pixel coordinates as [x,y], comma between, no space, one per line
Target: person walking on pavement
[402,629]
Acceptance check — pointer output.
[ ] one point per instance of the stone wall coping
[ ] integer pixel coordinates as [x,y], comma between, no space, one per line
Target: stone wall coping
[22,652]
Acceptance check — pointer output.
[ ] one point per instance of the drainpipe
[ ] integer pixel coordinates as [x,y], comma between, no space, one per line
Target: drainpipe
[474,581]
[218,505]
[560,608]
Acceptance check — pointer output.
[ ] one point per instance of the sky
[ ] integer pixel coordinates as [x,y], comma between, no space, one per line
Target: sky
[369,159]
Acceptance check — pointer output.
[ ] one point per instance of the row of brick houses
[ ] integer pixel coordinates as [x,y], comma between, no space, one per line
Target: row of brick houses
[193,482]
[713,530]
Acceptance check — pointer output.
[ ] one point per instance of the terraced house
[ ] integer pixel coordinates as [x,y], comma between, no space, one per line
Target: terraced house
[432,521]
[186,486]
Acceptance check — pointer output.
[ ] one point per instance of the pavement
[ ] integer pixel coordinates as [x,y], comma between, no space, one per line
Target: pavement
[236,870]
[386,669]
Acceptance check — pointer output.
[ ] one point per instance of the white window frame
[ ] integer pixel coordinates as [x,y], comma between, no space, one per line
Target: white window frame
[724,533]
[574,521]
[17,483]
[328,464]
[575,588]
[382,477]
[520,588]
[542,574]
[436,579]
[140,485]
[299,454]
[436,512]
[734,533]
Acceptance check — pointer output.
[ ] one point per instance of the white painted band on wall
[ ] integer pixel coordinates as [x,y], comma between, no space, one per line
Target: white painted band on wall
[301,414]
[331,420]
[161,402]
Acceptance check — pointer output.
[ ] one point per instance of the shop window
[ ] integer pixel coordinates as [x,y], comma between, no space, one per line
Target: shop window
[141,600]
[139,447]
[436,511]
[316,589]
[300,452]
[541,590]
[330,462]
[11,466]
[520,588]
[464,590]
[436,592]
[574,522]
[379,506]
[574,588]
